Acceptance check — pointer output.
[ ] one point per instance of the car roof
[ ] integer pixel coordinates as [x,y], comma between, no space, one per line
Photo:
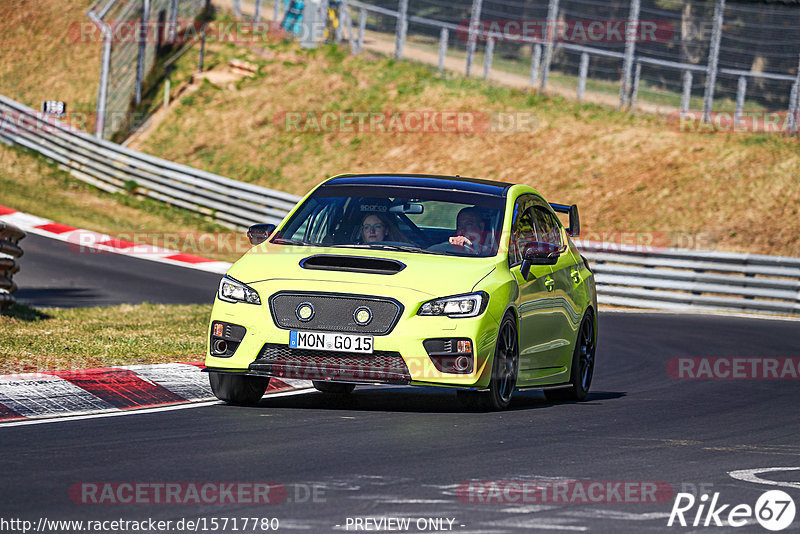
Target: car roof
[432,181]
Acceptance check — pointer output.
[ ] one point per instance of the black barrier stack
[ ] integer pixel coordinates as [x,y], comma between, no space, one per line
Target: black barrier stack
[10,252]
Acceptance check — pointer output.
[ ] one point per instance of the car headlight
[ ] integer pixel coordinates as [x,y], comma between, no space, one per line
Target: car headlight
[231,290]
[469,305]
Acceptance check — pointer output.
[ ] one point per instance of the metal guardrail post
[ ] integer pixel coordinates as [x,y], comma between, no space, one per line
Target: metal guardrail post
[583,71]
[686,95]
[472,40]
[631,34]
[401,30]
[237,8]
[536,64]
[276,11]
[257,11]
[142,50]
[167,85]
[443,37]
[550,38]
[713,60]
[487,58]
[794,106]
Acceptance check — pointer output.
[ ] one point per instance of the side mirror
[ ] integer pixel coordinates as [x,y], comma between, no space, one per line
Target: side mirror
[574,229]
[538,253]
[258,233]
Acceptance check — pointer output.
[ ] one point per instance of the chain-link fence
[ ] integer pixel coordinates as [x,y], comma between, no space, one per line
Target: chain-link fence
[688,54]
[135,33]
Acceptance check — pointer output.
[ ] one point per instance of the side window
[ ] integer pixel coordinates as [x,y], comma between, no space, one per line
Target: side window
[523,229]
[547,227]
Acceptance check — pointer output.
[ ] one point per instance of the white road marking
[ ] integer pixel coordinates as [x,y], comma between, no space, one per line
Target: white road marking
[751,475]
[68,418]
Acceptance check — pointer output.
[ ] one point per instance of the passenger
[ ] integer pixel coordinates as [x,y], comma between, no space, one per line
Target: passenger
[378,227]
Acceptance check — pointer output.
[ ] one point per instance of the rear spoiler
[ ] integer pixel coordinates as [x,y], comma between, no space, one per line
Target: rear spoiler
[574,229]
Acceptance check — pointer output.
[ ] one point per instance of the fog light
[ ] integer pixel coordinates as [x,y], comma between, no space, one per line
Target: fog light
[464,347]
[218,330]
[462,363]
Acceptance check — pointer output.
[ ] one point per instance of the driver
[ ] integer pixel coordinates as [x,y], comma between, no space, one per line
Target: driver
[470,229]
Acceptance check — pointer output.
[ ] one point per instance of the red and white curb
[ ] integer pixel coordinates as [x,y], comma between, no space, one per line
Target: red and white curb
[87,239]
[110,389]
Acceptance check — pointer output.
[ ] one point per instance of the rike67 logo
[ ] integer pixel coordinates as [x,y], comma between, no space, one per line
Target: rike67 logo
[774,510]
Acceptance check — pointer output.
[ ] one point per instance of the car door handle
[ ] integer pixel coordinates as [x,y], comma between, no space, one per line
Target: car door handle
[549,283]
[576,276]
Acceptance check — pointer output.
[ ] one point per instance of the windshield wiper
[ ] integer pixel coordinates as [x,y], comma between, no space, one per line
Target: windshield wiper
[403,248]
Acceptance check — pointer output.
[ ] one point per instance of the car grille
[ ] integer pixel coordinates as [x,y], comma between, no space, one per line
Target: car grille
[334,312]
[280,361]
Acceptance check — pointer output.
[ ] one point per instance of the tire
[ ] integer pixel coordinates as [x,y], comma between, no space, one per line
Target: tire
[582,368]
[333,388]
[241,390]
[505,368]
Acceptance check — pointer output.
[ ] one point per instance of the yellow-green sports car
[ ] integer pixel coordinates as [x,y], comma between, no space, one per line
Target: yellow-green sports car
[410,279]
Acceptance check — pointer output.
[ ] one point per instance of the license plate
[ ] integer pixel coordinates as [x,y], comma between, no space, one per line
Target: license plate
[330,341]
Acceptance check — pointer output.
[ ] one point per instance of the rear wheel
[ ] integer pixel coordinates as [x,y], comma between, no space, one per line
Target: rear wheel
[505,368]
[238,389]
[333,388]
[582,365]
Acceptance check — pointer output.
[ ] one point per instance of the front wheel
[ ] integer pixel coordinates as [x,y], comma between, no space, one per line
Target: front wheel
[582,365]
[505,368]
[238,389]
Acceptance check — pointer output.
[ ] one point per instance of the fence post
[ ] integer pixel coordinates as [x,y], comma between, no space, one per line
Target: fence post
[142,50]
[167,84]
[173,21]
[741,90]
[472,40]
[276,11]
[237,8]
[487,58]
[402,28]
[102,90]
[630,47]
[536,64]
[582,72]
[713,59]
[794,105]
[686,96]
[550,36]
[637,75]
[202,49]
[345,25]
[257,12]
[443,36]
[310,21]
[362,25]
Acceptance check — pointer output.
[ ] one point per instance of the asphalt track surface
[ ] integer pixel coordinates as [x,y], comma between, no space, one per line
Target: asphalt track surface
[54,273]
[403,452]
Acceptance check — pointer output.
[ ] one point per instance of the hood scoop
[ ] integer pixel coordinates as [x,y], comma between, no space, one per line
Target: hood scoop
[353,264]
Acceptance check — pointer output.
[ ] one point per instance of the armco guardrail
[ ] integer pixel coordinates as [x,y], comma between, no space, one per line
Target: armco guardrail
[676,279]
[112,167]
[10,252]
[657,278]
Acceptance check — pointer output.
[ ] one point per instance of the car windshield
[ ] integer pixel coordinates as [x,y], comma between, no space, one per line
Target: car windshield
[412,219]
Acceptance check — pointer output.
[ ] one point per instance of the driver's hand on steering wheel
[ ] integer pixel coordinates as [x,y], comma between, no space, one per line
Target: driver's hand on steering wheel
[460,241]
